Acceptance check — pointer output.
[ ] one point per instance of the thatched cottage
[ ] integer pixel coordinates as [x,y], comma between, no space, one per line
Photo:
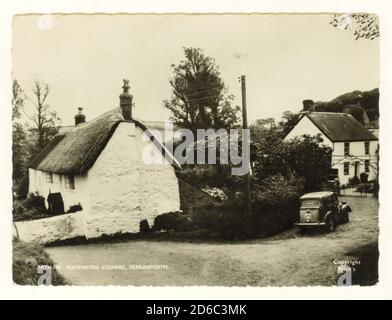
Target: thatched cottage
[98,166]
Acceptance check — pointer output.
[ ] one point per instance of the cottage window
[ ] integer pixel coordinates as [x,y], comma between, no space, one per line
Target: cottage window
[346,168]
[366,147]
[69,181]
[367,165]
[49,177]
[347,148]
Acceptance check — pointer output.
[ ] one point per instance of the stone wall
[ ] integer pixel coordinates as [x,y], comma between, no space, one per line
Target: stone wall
[62,227]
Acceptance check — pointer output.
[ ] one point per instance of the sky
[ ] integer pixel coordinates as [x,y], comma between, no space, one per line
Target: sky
[286,58]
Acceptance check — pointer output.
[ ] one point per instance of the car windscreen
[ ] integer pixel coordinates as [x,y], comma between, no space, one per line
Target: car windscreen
[310,202]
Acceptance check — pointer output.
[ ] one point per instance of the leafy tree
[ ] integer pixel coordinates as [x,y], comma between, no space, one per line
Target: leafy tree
[200,98]
[363,25]
[305,157]
[43,118]
[19,150]
[288,122]
[264,131]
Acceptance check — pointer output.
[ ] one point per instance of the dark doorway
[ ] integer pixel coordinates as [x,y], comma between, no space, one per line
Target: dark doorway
[55,202]
[356,167]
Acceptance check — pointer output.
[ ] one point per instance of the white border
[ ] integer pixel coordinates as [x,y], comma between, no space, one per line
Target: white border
[380,7]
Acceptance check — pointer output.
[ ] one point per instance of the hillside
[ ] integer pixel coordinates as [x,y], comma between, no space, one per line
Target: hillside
[356,103]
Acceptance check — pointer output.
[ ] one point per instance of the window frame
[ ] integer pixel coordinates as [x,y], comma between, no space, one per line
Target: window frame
[367,147]
[346,148]
[346,168]
[69,181]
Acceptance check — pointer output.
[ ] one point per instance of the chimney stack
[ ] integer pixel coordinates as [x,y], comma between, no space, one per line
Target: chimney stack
[307,105]
[80,117]
[126,101]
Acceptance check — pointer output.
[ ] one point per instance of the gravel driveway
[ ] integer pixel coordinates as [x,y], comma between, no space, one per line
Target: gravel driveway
[289,259]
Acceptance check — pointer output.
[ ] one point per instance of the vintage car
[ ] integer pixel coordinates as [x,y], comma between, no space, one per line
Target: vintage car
[322,209]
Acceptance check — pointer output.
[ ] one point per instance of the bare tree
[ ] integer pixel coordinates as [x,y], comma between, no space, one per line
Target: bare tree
[43,118]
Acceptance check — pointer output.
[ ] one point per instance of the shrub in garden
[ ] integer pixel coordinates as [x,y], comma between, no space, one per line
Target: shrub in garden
[353,181]
[29,209]
[304,156]
[276,203]
[34,201]
[172,221]
[363,177]
[144,226]
[75,208]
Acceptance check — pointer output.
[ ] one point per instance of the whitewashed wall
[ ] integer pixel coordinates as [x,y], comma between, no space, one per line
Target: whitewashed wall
[306,126]
[357,149]
[62,227]
[38,183]
[124,190]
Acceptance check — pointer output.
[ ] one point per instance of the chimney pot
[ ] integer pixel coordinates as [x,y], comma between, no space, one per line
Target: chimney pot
[308,105]
[126,101]
[80,117]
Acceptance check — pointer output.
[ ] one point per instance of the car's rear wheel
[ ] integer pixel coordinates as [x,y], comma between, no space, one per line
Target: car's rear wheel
[329,224]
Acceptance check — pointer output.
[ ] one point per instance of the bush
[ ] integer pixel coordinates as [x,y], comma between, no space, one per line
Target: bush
[363,177]
[353,181]
[144,226]
[172,221]
[304,156]
[36,202]
[225,222]
[275,208]
[278,191]
[75,208]
[27,257]
[29,209]
[276,203]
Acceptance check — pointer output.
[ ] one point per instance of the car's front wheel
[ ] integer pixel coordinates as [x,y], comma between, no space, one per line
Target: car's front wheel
[329,224]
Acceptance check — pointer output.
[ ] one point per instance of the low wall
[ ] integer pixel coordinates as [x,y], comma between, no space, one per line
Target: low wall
[47,230]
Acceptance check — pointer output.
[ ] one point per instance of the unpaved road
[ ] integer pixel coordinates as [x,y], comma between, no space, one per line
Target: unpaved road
[289,259]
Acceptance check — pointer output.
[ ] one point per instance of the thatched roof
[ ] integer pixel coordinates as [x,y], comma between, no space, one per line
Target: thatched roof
[76,151]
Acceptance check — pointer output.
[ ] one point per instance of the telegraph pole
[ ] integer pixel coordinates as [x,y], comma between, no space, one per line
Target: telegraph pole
[247,144]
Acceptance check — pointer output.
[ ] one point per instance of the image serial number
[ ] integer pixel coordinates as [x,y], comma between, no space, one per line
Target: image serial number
[223,309]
